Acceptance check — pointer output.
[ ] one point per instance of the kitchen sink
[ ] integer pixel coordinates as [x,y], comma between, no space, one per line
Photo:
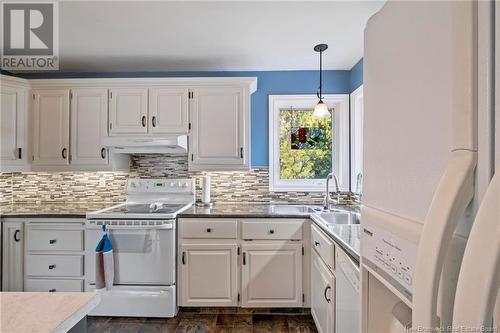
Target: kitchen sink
[339,217]
[294,209]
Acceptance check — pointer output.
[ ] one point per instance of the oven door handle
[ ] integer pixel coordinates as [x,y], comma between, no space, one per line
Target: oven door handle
[131,227]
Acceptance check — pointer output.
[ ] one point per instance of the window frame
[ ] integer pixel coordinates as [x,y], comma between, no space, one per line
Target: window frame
[357,114]
[340,143]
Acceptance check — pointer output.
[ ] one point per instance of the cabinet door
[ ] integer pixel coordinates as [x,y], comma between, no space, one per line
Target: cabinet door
[271,275]
[89,124]
[168,110]
[12,124]
[209,275]
[128,111]
[219,132]
[51,127]
[322,295]
[12,256]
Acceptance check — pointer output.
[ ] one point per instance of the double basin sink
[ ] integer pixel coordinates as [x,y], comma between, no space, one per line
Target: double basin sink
[329,217]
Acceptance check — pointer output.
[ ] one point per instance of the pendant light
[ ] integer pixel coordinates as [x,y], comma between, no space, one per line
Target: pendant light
[321,109]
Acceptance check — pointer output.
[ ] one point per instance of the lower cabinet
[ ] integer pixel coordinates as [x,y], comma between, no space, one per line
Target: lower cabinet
[271,275]
[209,275]
[12,256]
[322,295]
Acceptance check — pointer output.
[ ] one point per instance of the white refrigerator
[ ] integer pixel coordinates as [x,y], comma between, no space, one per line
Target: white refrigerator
[427,158]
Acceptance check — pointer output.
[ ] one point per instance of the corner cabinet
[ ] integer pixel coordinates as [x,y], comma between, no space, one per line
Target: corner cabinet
[12,256]
[13,124]
[220,125]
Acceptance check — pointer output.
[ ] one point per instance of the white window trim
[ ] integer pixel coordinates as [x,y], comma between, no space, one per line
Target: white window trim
[341,141]
[356,134]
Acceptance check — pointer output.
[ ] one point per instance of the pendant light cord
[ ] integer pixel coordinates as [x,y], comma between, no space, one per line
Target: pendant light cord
[320,95]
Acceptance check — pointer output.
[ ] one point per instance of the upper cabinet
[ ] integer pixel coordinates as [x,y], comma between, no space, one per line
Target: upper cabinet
[13,124]
[89,126]
[168,110]
[51,127]
[128,111]
[220,125]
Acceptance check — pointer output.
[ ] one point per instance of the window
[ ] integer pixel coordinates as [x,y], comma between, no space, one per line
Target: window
[357,140]
[303,150]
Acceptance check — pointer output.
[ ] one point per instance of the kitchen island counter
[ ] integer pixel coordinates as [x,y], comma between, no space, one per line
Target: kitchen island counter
[45,312]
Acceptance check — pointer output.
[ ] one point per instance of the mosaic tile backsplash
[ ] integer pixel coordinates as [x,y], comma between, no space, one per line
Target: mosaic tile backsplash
[77,187]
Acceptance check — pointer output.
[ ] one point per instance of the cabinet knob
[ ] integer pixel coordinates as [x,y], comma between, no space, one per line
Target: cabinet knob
[143,121]
[16,235]
[64,153]
[52,241]
[52,266]
[153,121]
[209,230]
[328,300]
[53,290]
[316,243]
[271,231]
[103,153]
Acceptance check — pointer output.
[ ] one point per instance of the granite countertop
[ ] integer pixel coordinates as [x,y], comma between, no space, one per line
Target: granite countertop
[44,312]
[49,210]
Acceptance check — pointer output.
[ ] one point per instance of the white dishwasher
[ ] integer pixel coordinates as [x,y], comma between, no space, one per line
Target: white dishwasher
[347,304]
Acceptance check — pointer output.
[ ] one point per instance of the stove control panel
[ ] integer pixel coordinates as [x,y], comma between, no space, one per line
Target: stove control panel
[160,185]
[391,256]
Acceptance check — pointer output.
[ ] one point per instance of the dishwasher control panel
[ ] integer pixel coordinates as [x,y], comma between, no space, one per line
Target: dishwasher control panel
[394,256]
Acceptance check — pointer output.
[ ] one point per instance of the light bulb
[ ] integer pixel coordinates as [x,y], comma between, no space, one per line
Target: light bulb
[321,111]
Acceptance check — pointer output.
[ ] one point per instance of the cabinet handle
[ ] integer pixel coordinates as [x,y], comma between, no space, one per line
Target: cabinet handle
[16,235]
[52,241]
[244,258]
[19,153]
[183,257]
[63,153]
[271,231]
[143,120]
[209,230]
[153,121]
[241,152]
[316,243]
[53,290]
[326,297]
[52,266]
[103,153]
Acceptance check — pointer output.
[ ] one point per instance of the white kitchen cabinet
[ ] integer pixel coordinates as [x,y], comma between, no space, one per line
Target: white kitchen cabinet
[89,126]
[322,295]
[220,125]
[128,111]
[54,255]
[209,275]
[12,256]
[168,110]
[271,274]
[51,127]
[13,125]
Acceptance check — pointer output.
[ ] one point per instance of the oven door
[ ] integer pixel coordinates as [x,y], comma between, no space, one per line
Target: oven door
[143,254]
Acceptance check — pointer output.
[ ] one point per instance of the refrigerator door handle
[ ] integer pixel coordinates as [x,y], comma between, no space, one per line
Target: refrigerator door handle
[453,194]
[480,264]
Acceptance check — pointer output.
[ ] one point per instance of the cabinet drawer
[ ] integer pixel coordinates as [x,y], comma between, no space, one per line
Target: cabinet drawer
[264,229]
[209,228]
[54,285]
[50,265]
[322,244]
[55,240]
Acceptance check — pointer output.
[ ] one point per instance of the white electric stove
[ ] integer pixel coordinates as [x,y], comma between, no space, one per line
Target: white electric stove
[142,232]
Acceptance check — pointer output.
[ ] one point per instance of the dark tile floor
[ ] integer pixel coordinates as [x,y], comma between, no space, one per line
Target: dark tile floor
[219,321]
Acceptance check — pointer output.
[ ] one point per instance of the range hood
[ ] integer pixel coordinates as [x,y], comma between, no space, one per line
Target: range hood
[131,145]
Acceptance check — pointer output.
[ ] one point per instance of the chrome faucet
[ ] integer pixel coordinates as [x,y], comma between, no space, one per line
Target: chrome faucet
[328,199]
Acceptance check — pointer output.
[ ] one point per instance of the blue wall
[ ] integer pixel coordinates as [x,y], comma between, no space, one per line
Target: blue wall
[268,83]
[356,78]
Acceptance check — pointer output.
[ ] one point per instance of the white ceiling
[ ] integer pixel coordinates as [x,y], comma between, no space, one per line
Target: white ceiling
[210,35]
